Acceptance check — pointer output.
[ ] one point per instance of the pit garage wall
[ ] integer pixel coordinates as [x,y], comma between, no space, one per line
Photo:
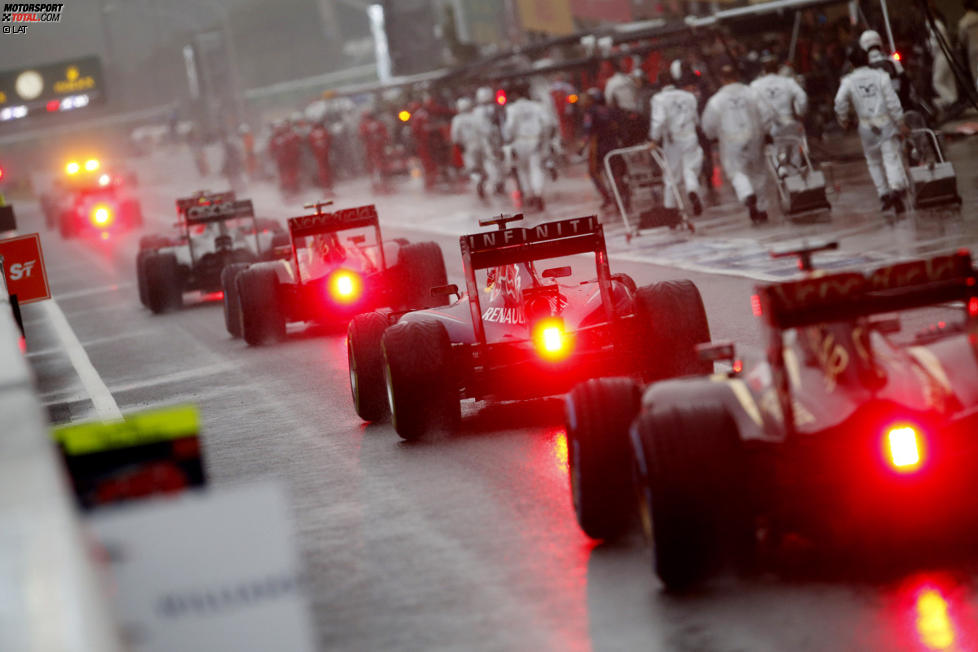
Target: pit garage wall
[50,598]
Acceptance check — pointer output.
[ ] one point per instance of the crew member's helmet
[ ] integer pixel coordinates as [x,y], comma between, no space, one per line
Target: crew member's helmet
[870,39]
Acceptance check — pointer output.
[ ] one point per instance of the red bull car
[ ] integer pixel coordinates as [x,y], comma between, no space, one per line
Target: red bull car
[215,230]
[536,318]
[91,199]
[850,435]
[338,266]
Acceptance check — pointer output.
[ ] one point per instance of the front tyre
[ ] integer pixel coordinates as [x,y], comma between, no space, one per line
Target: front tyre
[232,300]
[366,360]
[422,268]
[690,481]
[262,319]
[598,414]
[420,386]
[672,321]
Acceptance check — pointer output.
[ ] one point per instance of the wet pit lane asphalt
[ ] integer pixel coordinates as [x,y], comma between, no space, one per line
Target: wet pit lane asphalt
[464,540]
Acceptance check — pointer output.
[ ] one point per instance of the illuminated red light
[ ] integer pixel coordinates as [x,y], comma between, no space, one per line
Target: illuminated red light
[903,445]
[896,56]
[101,215]
[345,286]
[550,339]
[973,306]
[572,98]
[53,106]
[755,305]
[501,97]
[738,366]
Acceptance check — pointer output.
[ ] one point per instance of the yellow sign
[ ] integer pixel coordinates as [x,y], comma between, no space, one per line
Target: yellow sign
[547,16]
[137,429]
[73,82]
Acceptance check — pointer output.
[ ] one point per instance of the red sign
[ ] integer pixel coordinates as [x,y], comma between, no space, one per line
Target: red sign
[23,263]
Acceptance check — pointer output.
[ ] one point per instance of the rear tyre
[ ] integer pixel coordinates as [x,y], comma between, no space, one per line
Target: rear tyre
[423,268]
[366,360]
[598,414]
[691,492]
[672,322]
[163,288]
[262,320]
[420,386]
[232,301]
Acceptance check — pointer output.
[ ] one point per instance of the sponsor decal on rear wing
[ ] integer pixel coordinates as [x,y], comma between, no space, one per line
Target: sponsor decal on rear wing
[850,295]
[548,240]
[348,218]
[203,199]
[219,212]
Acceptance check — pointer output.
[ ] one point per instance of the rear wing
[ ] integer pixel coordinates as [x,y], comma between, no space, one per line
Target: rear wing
[229,210]
[850,295]
[547,240]
[203,198]
[322,222]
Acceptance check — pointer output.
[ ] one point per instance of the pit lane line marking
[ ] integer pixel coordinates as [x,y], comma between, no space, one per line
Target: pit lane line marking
[102,400]
[111,287]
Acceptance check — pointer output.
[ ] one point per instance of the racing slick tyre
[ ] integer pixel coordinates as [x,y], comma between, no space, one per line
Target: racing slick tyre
[153,241]
[598,414]
[690,490]
[423,268]
[672,322]
[366,360]
[417,370]
[141,275]
[163,289]
[232,300]
[262,320]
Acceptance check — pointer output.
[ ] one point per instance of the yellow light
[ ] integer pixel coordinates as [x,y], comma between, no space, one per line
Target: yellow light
[904,448]
[896,56]
[572,98]
[72,168]
[404,115]
[104,180]
[344,286]
[101,215]
[92,164]
[551,341]
[933,623]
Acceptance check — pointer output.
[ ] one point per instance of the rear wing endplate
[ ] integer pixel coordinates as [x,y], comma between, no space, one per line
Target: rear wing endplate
[547,240]
[322,222]
[851,295]
[203,214]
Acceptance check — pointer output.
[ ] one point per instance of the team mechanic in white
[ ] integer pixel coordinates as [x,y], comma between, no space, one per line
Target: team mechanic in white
[674,121]
[870,94]
[528,130]
[469,134]
[486,116]
[787,101]
[739,120]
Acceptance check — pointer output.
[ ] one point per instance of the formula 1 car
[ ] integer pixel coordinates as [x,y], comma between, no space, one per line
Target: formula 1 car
[846,436]
[519,333]
[215,230]
[90,198]
[329,279]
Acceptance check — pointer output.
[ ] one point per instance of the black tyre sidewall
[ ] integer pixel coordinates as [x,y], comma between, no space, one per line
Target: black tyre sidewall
[163,290]
[422,268]
[232,302]
[262,320]
[672,321]
[598,415]
[366,359]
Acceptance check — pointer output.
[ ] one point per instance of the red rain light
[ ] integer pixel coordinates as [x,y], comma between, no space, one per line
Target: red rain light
[345,286]
[101,215]
[550,339]
[903,446]
[755,305]
[973,306]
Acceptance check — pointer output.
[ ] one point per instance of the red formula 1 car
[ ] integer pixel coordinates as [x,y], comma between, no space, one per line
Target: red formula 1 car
[215,230]
[91,199]
[848,436]
[339,267]
[520,331]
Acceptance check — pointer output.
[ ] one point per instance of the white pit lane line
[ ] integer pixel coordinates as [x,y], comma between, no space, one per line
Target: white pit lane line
[102,400]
